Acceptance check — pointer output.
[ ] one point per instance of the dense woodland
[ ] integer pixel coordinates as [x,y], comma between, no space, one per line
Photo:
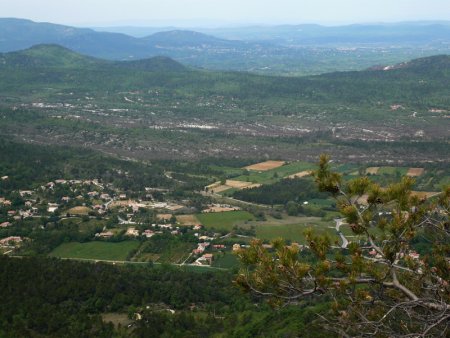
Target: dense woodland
[54,298]
[29,166]
[296,190]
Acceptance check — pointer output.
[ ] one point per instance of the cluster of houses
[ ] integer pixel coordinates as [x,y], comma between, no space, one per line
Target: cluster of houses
[11,242]
[5,202]
[93,189]
[16,215]
[133,232]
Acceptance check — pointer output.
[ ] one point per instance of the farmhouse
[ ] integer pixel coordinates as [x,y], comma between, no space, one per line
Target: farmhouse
[206,238]
[10,241]
[132,232]
[52,207]
[206,259]
[24,193]
[236,247]
[107,234]
[148,233]
[5,224]
[105,197]
[201,248]
[165,226]
[5,202]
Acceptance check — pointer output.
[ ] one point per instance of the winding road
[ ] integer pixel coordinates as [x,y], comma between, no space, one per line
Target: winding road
[339,222]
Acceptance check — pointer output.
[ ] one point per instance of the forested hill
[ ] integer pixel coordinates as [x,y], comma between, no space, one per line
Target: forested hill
[61,58]
[416,82]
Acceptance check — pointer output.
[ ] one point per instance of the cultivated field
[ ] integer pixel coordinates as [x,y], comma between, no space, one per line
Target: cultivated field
[392,171]
[415,172]
[220,188]
[238,184]
[303,173]
[224,220]
[231,184]
[273,175]
[79,211]
[164,217]
[220,209]
[372,170]
[95,250]
[264,166]
[186,220]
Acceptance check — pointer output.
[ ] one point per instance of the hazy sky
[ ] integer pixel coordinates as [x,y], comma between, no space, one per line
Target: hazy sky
[201,12]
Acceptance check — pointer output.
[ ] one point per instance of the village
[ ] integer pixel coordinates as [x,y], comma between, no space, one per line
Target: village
[118,218]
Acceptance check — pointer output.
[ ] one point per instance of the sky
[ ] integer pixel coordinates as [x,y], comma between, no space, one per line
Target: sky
[223,12]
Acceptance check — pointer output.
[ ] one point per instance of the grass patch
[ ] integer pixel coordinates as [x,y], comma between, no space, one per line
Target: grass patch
[227,261]
[116,319]
[228,171]
[224,220]
[79,211]
[96,250]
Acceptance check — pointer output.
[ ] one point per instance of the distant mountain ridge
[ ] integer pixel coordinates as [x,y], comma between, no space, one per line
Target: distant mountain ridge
[312,34]
[18,34]
[279,50]
[185,38]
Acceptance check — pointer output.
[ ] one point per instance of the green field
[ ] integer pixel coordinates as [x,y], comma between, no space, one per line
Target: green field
[95,250]
[173,252]
[271,176]
[228,171]
[224,220]
[228,261]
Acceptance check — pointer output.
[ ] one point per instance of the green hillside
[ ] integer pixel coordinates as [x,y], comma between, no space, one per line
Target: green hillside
[417,82]
[158,107]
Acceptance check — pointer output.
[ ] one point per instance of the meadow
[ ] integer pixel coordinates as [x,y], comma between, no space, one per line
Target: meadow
[228,260]
[224,220]
[96,250]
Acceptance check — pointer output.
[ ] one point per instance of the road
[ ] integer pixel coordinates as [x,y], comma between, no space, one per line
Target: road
[135,263]
[339,222]
[231,200]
